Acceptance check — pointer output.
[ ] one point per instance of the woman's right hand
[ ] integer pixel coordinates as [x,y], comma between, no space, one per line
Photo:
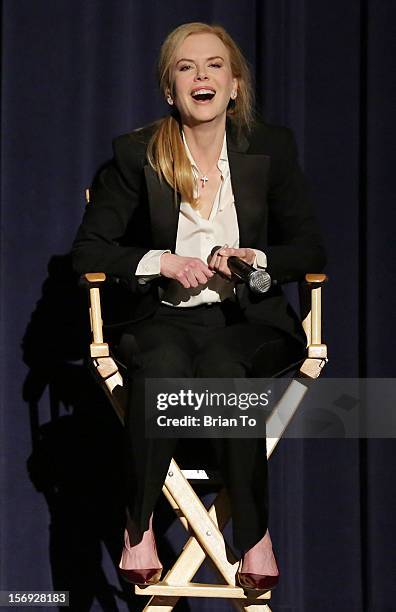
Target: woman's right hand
[188,271]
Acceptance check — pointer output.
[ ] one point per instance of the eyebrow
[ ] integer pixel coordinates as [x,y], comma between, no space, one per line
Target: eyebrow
[185,59]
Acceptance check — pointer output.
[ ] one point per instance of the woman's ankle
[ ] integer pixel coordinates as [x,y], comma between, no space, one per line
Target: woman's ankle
[260,558]
[139,549]
[135,534]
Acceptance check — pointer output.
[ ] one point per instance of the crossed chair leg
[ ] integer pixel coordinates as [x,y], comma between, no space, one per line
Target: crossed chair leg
[208,540]
[206,525]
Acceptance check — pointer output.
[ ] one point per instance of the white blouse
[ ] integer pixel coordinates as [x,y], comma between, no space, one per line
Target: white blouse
[196,237]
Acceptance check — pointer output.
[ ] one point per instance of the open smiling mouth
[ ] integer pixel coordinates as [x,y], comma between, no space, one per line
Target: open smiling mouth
[203,95]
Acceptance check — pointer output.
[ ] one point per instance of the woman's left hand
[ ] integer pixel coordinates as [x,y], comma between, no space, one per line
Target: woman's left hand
[218,261]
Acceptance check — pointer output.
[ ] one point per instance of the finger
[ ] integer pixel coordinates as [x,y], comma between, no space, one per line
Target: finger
[202,268]
[250,256]
[218,262]
[247,255]
[201,274]
[219,249]
[207,272]
[221,260]
[201,277]
[191,276]
[182,279]
[223,267]
[212,262]
[230,251]
[214,259]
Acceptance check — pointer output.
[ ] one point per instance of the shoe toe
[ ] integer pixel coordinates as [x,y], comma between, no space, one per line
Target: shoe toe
[142,577]
[257,582]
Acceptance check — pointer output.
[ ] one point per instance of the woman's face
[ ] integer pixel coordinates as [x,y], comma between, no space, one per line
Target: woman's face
[203,80]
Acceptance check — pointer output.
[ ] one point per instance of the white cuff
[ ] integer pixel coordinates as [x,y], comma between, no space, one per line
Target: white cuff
[261,259]
[149,266]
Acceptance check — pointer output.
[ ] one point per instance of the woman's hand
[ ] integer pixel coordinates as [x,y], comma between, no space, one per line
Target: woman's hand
[218,261]
[188,271]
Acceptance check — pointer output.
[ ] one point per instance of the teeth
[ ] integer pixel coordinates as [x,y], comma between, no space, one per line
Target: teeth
[203,91]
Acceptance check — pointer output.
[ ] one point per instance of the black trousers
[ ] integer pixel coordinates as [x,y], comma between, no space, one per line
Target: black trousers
[208,341]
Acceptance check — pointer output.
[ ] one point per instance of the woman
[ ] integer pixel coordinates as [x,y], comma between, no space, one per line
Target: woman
[206,175]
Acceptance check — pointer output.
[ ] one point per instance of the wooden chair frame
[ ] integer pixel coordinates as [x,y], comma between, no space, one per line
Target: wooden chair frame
[205,526]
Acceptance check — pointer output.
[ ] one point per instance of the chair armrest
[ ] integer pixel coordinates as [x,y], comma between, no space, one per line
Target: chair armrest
[92,281]
[311,311]
[316,279]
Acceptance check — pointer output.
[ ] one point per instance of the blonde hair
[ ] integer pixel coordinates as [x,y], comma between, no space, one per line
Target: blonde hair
[166,152]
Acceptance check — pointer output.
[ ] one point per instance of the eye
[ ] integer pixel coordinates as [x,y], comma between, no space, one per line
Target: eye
[216,65]
[184,68]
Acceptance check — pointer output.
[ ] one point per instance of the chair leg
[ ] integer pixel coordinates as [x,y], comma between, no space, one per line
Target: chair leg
[192,557]
[206,525]
[208,540]
[205,529]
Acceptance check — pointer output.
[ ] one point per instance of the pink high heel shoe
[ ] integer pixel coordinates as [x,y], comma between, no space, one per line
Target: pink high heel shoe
[139,576]
[255,582]
[143,577]
[258,582]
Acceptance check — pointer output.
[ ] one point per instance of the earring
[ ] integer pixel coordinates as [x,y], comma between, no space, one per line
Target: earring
[233,95]
[169,100]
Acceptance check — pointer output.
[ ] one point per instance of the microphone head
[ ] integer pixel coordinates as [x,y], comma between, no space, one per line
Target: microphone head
[259,281]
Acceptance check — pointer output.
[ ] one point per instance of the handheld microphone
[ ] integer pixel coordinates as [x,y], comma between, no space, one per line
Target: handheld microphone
[258,281]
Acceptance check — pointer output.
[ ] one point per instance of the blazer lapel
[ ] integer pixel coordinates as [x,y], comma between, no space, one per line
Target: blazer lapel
[249,178]
[164,211]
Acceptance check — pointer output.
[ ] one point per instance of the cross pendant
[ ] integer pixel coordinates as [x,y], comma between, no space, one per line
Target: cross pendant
[204,180]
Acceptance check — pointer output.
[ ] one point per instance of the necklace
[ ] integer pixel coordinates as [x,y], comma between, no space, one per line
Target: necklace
[199,176]
[202,177]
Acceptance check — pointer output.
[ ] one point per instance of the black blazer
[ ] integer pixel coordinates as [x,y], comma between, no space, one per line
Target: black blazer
[132,211]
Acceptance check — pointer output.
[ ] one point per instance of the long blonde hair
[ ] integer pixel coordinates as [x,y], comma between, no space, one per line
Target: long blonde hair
[166,152]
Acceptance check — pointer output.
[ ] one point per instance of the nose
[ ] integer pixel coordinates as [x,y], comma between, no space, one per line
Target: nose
[201,74]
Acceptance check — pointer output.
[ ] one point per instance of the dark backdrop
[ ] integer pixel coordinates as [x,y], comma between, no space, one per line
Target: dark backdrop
[75,75]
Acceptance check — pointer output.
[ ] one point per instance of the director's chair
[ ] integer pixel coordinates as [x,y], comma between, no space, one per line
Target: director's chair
[205,526]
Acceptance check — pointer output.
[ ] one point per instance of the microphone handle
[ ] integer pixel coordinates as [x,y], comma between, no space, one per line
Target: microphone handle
[258,281]
[240,268]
